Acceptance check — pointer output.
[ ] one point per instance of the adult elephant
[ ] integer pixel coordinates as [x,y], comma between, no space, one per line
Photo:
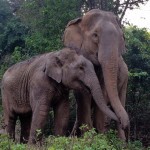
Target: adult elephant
[98,36]
[31,87]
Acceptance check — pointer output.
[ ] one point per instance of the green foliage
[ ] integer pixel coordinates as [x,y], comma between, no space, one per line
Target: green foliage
[8,60]
[12,36]
[12,31]
[90,141]
[7,144]
[138,41]
[2,70]
[18,55]
[5,13]
[138,61]
[46,20]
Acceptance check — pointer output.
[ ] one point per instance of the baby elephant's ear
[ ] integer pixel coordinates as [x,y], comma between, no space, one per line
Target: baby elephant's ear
[54,68]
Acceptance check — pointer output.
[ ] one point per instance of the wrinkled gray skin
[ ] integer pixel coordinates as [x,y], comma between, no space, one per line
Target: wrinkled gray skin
[99,37]
[30,87]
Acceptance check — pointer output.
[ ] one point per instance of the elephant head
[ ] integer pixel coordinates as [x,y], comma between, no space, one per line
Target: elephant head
[76,72]
[99,37]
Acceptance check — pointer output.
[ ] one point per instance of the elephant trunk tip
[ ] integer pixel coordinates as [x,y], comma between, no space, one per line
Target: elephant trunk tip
[115,118]
[124,124]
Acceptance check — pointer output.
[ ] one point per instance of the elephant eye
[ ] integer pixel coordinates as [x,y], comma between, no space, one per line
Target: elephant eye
[95,37]
[81,67]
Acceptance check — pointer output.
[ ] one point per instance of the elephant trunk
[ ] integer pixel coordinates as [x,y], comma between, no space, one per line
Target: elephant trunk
[108,57]
[96,91]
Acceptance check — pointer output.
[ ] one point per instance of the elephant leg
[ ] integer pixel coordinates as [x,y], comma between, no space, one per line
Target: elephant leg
[61,117]
[39,118]
[83,112]
[11,123]
[41,99]
[9,116]
[25,127]
[100,120]
[123,81]
[122,89]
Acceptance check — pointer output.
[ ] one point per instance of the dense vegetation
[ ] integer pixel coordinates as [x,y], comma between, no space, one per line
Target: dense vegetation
[89,141]
[30,27]
[138,61]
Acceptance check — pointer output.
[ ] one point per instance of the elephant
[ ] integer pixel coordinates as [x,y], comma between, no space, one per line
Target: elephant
[31,87]
[99,38]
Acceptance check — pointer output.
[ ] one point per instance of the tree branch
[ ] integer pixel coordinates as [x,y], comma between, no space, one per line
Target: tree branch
[123,13]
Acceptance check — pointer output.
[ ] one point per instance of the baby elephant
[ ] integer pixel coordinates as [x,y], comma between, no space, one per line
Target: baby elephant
[31,87]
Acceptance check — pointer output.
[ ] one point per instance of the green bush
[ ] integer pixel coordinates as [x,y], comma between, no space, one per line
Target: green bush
[7,144]
[89,141]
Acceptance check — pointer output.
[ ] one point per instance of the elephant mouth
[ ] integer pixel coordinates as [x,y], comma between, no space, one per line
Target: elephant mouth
[84,87]
[94,59]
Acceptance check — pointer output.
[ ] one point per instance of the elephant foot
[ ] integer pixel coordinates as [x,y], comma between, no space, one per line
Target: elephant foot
[101,129]
[35,139]
[32,141]
[79,130]
[101,123]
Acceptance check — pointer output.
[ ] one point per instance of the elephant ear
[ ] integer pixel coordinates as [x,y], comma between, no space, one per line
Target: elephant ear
[54,68]
[74,21]
[122,46]
[73,37]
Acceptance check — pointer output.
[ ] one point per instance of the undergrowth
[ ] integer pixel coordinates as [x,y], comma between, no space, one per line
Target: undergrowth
[89,141]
